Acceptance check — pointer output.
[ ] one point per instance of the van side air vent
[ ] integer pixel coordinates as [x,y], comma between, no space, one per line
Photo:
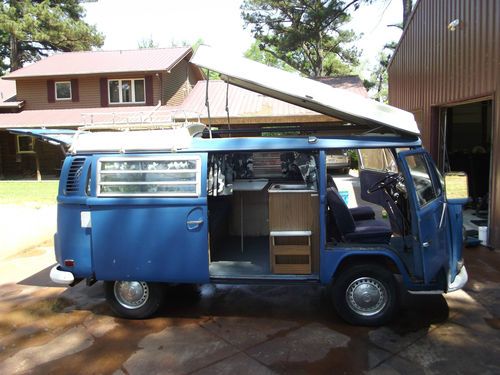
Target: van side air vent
[74,174]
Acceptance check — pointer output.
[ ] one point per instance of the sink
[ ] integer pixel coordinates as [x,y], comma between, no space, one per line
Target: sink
[250,184]
[290,188]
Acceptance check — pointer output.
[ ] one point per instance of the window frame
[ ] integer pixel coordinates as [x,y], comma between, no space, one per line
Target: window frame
[18,145]
[437,190]
[389,166]
[197,180]
[120,93]
[70,90]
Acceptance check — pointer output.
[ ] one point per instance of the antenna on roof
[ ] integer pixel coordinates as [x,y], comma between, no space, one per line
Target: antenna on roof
[207,104]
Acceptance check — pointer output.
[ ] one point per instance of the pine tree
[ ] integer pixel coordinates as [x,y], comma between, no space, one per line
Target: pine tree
[304,34]
[33,29]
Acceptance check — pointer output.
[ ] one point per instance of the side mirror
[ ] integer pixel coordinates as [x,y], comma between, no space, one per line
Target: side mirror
[456,187]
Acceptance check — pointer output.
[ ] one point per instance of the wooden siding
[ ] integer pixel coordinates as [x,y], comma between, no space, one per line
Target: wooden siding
[194,75]
[176,85]
[13,165]
[34,92]
[434,67]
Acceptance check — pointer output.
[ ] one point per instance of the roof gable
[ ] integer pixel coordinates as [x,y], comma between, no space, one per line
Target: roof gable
[103,62]
[7,90]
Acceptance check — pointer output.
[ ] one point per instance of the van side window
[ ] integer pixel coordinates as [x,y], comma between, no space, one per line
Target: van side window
[421,179]
[377,159]
[170,176]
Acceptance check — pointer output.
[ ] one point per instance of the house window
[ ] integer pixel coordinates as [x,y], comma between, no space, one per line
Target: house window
[25,144]
[165,176]
[126,90]
[63,90]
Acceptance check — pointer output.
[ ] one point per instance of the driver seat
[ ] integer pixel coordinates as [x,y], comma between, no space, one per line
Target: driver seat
[346,229]
[358,213]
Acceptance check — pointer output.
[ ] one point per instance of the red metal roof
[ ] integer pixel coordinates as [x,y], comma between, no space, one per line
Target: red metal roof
[242,103]
[351,83]
[103,62]
[245,103]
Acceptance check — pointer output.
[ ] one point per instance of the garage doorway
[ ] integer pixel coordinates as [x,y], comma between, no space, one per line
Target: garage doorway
[465,145]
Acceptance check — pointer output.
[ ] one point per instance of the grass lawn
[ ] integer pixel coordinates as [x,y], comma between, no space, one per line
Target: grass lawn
[31,192]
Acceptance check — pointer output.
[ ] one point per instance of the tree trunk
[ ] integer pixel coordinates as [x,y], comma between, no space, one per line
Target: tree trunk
[15,56]
[407,8]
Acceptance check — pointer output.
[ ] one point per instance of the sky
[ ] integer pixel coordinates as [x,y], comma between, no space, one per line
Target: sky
[218,23]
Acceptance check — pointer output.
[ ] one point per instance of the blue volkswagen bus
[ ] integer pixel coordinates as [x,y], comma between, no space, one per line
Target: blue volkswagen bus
[140,207]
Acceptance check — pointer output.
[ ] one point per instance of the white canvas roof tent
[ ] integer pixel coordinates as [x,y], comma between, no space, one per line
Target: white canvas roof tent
[305,92]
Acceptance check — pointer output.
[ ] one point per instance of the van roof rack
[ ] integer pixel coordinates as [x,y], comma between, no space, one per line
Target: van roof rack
[122,132]
[139,120]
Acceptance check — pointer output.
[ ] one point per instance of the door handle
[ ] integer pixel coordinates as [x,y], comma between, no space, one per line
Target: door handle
[426,244]
[194,222]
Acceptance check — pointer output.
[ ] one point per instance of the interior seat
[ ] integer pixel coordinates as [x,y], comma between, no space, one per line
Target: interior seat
[346,229]
[358,213]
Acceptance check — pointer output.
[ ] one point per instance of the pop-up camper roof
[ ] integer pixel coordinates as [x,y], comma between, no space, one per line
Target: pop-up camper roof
[305,92]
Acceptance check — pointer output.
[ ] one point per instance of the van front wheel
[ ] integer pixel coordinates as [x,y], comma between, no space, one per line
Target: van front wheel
[365,294]
[133,299]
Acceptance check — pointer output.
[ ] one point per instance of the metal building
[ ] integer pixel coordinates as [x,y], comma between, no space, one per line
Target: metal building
[446,70]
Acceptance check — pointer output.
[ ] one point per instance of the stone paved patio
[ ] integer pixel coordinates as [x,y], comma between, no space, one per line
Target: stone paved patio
[242,329]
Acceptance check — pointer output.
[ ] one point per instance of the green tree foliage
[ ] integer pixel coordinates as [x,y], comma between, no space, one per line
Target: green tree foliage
[378,78]
[256,53]
[306,35]
[32,29]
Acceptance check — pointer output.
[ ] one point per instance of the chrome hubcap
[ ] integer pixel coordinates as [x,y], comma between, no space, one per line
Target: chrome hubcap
[131,294]
[366,296]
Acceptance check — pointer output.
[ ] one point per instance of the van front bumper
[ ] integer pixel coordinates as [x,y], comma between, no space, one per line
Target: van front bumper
[459,282]
[59,276]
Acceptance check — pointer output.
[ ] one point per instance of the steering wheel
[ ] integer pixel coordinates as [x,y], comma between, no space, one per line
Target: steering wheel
[383,183]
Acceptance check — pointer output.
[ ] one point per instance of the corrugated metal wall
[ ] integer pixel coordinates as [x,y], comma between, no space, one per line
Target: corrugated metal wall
[434,66]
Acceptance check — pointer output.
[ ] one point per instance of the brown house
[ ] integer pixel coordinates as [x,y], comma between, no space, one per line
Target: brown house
[107,79]
[71,89]
[90,88]
[446,70]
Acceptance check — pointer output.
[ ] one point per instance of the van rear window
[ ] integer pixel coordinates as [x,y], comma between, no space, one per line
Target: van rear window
[161,176]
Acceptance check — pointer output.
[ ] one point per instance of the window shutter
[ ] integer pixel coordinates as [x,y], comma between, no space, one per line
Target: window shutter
[51,91]
[104,92]
[75,94]
[149,89]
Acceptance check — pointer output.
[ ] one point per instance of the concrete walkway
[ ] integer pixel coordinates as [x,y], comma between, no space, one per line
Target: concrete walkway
[24,226]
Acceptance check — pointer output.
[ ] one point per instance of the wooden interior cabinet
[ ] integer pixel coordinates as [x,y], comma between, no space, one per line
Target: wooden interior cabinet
[293,225]
[249,208]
